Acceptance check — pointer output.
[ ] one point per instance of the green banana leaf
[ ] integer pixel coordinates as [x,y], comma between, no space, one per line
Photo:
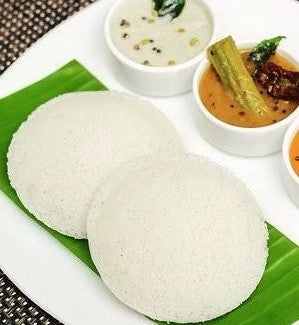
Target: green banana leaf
[15,108]
[276,300]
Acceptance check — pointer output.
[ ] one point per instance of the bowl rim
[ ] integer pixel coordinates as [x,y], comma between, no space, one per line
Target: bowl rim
[153,69]
[287,141]
[257,130]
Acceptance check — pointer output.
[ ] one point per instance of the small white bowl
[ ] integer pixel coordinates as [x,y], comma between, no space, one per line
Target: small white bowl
[156,81]
[291,179]
[241,141]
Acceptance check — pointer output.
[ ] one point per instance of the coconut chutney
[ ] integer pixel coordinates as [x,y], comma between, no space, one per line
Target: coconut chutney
[59,156]
[141,36]
[177,239]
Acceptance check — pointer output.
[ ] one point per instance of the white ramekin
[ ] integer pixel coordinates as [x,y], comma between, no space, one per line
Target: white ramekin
[155,81]
[248,142]
[290,178]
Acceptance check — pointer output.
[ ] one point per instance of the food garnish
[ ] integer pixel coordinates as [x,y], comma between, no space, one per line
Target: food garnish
[172,8]
[124,23]
[194,41]
[150,20]
[227,61]
[279,82]
[261,53]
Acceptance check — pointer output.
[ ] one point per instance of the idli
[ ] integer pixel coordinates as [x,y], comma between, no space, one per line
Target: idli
[177,239]
[59,156]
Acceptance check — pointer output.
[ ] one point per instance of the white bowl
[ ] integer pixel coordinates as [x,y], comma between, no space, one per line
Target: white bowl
[155,81]
[291,180]
[241,141]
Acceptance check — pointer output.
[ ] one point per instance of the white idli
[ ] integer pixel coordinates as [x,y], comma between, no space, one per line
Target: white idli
[58,157]
[177,239]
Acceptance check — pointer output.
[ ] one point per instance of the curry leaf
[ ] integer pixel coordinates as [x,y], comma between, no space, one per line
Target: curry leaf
[263,50]
[158,4]
[169,7]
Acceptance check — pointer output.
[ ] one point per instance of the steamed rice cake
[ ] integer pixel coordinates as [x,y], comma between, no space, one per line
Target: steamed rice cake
[59,156]
[178,239]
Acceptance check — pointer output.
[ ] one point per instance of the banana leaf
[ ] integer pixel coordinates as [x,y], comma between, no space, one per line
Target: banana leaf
[275,301]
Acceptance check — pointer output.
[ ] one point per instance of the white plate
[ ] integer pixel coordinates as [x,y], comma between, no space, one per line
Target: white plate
[36,262]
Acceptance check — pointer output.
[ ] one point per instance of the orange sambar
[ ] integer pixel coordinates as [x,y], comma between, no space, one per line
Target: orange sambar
[294,153]
[219,103]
